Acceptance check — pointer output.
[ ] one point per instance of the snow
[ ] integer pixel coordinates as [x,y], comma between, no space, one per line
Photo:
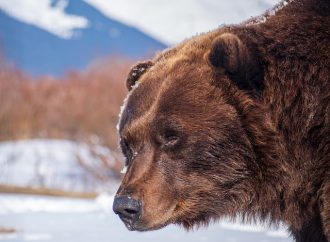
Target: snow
[45,15]
[278,233]
[44,218]
[262,18]
[16,204]
[35,237]
[124,170]
[172,21]
[57,164]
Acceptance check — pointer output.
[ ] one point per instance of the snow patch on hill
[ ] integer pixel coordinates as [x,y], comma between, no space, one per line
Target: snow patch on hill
[45,14]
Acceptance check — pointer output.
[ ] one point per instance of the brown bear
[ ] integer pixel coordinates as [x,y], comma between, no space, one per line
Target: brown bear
[233,123]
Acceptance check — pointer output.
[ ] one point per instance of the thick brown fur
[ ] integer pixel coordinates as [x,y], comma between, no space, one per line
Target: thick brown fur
[236,122]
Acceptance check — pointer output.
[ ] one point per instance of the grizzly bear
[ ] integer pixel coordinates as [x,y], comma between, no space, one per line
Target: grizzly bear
[233,123]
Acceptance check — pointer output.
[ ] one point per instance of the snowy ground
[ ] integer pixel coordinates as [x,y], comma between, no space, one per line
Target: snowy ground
[53,164]
[49,219]
[56,164]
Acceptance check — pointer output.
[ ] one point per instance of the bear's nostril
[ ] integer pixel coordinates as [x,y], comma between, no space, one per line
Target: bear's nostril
[131,211]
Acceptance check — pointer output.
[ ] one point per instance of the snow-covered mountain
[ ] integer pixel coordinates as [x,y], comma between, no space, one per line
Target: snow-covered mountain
[53,36]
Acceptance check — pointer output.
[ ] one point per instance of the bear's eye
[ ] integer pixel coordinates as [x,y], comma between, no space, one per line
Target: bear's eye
[127,151]
[169,139]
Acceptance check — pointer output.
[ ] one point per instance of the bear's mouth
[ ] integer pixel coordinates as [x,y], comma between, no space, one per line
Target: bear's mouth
[141,227]
[128,223]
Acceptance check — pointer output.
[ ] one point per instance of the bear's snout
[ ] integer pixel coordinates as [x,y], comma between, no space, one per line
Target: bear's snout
[128,209]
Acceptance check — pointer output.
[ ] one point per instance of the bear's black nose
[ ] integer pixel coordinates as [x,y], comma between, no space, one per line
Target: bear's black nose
[128,209]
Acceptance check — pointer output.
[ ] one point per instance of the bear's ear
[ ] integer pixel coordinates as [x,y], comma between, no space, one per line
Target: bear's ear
[136,72]
[230,54]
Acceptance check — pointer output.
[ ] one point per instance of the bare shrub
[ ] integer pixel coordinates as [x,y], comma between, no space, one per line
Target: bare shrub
[81,106]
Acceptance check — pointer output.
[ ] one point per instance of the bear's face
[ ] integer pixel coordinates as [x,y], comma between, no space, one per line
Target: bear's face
[187,154]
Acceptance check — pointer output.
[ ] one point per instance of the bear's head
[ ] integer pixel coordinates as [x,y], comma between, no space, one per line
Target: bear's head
[189,157]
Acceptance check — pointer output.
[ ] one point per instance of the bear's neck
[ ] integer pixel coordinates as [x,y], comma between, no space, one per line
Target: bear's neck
[271,174]
[277,186]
